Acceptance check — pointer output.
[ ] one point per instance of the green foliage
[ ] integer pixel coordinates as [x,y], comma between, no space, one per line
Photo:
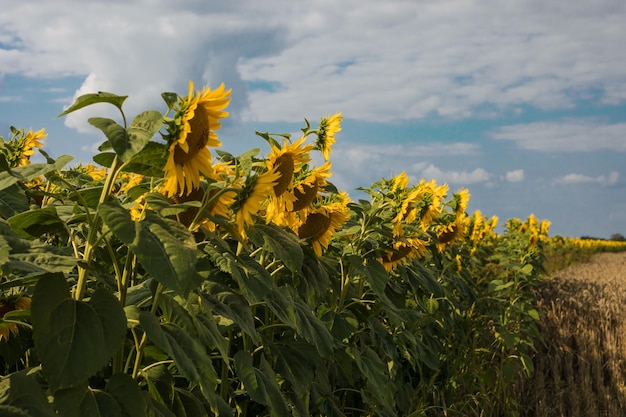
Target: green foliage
[149,305]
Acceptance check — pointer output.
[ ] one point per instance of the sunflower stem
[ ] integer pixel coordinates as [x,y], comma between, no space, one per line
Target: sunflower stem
[144,337]
[94,230]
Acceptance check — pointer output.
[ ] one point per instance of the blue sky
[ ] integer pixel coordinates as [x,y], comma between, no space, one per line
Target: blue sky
[523,102]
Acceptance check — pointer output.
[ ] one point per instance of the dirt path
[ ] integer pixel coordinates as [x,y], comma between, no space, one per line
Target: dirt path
[581,369]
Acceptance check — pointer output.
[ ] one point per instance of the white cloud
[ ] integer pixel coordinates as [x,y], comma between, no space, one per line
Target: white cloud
[478,175]
[10,99]
[515,175]
[373,60]
[573,179]
[566,135]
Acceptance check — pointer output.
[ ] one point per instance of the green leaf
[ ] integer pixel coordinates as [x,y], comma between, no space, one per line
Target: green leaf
[165,207]
[116,134]
[74,339]
[22,391]
[189,355]
[164,247]
[143,127]
[233,307]
[83,401]
[41,262]
[89,99]
[128,395]
[34,223]
[90,195]
[282,244]
[13,200]
[105,159]
[29,172]
[261,384]
[169,98]
[149,161]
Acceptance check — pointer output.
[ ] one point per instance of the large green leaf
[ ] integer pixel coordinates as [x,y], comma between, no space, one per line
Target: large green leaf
[13,200]
[29,172]
[190,356]
[149,161]
[83,401]
[127,393]
[22,391]
[261,384]
[233,307]
[74,339]
[283,244]
[165,248]
[34,223]
[143,127]
[40,262]
[94,98]
[116,134]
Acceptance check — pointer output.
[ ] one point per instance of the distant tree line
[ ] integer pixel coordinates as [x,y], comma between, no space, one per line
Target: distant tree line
[615,236]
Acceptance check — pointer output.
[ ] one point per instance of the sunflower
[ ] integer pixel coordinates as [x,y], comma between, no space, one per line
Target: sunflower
[307,188]
[8,305]
[326,133]
[320,223]
[404,250]
[423,203]
[253,197]
[96,173]
[452,231]
[189,135]
[24,145]
[287,160]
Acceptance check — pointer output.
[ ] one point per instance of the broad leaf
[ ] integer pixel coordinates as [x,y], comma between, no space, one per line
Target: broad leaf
[165,248]
[22,391]
[283,244]
[83,401]
[116,134]
[13,200]
[29,172]
[34,223]
[94,98]
[128,395]
[74,339]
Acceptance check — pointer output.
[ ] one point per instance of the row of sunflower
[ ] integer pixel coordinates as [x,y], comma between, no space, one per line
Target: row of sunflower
[173,278]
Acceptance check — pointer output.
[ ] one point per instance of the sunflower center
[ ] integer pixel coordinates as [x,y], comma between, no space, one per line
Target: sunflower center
[197,139]
[304,198]
[284,166]
[314,227]
[448,235]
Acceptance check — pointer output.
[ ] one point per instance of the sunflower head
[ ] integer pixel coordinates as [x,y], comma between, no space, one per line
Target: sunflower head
[328,127]
[190,133]
[11,304]
[321,222]
[254,196]
[21,146]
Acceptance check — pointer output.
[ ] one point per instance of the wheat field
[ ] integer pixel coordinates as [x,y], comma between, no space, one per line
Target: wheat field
[580,370]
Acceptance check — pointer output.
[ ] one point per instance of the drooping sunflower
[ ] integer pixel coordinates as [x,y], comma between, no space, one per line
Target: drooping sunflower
[11,304]
[450,232]
[306,189]
[328,127]
[287,160]
[253,197]
[422,203]
[21,146]
[403,251]
[192,131]
[322,222]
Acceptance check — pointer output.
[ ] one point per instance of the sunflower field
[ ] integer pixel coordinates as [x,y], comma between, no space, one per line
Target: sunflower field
[172,278]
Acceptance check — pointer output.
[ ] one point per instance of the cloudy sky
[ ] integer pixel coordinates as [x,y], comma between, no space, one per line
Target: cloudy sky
[523,102]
